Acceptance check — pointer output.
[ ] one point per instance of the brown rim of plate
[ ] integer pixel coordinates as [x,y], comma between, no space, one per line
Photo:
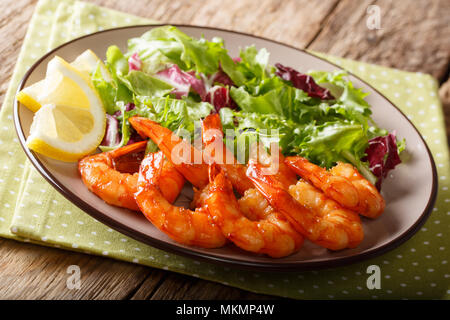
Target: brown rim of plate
[260,266]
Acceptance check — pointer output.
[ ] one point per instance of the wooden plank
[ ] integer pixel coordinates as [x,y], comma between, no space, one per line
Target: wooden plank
[414,35]
[292,21]
[176,287]
[29,271]
[14,18]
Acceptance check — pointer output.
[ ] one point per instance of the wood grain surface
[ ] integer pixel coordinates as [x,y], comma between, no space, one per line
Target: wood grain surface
[414,36]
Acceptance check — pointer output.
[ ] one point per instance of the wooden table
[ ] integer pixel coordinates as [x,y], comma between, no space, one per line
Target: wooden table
[414,36]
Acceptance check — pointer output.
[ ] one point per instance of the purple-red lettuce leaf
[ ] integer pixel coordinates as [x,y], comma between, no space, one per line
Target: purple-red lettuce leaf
[112,134]
[303,82]
[222,78]
[220,98]
[383,156]
[134,62]
[182,81]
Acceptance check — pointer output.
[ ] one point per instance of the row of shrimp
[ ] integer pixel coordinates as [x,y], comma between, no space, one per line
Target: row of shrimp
[273,213]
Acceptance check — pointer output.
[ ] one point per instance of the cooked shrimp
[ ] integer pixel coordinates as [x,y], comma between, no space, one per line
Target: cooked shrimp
[371,203]
[254,206]
[212,137]
[114,187]
[330,227]
[326,208]
[337,188]
[342,183]
[272,235]
[169,143]
[113,175]
[170,181]
[182,225]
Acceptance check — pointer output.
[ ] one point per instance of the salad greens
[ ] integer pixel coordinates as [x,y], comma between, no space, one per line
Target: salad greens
[176,80]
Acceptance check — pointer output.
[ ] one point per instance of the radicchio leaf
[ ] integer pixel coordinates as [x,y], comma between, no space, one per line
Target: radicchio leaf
[303,82]
[182,81]
[220,98]
[222,77]
[112,135]
[382,155]
[134,62]
[130,106]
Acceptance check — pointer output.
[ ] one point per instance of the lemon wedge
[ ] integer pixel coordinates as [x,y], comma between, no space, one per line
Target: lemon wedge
[87,63]
[72,121]
[43,92]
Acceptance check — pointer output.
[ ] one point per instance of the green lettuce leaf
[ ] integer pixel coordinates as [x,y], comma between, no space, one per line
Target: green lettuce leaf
[167,44]
[112,91]
[143,84]
[171,113]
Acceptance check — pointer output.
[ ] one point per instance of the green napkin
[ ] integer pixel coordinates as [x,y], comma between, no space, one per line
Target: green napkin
[34,211]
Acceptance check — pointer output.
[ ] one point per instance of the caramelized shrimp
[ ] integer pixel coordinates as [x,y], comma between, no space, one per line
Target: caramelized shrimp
[182,225]
[326,208]
[337,188]
[254,206]
[250,222]
[371,203]
[170,181]
[169,143]
[330,226]
[113,175]
[272,235]
[342,183]
[212,137]
[216,208]
[114,187]
[257,219]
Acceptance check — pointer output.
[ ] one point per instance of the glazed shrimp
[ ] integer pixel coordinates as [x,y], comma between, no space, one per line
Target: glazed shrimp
[182,225]
[212,137]
[114,187]
[252,207]
[329,226]
[342,183]
[113,175]
[329,210]
[272,235]
[169,143]
[371,203]
[170,182]
[337,188]
[253,210]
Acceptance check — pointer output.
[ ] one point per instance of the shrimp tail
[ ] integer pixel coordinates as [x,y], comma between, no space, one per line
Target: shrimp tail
[101,175]
[172,145]
[135,147]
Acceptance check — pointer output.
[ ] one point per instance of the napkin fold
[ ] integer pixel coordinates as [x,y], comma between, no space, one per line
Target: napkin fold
[33,211]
